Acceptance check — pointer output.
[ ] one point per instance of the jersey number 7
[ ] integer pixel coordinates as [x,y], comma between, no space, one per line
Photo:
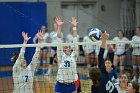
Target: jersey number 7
[26,77]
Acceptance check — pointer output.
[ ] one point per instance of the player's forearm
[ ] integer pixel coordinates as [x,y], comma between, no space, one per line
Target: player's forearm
[74,31]
[23,47]
[21,56]
[59,31]
[35,58]
[59,53]
[17,66]
[37,52]
[103,44]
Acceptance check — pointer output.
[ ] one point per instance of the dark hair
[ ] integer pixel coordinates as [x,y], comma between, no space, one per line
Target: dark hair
[138,28]
[95,76]
[108,59]
[135,86]
[121,32]
[14,56]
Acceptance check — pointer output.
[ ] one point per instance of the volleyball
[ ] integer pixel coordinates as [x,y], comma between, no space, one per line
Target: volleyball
[95,34]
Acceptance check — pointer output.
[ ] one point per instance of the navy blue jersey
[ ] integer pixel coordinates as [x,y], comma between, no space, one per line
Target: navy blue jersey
[113,73]
[106,86]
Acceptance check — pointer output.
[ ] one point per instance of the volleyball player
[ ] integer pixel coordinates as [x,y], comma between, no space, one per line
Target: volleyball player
[67,57]
[44,50]
[56,37]
[120,51]
[100,76]
[74,37]
[136,55]
[90,52]
[22,74]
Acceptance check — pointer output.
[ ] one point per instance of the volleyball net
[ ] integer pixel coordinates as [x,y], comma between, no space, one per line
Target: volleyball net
[47,73]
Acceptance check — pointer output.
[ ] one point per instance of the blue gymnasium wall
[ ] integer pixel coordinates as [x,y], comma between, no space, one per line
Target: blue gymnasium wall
[16,17]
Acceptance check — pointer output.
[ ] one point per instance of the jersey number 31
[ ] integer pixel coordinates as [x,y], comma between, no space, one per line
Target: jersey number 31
[67,64]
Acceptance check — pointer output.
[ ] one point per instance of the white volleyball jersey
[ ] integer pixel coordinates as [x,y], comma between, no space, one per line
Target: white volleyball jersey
[67,71]
[120,48]
[88,48]
[55,38]
[45,38]
[136,46]
[121,90]
[23,78]
[71,39]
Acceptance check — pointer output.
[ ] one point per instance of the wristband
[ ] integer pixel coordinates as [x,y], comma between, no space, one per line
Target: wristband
[74,28]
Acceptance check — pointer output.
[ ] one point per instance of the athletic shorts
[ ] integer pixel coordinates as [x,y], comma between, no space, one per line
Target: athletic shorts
[44,48]
[123,54]
[65,88]
[54,48]
[93,52]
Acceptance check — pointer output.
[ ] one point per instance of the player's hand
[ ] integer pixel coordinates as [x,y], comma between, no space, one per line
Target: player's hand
[40,36]
[74,21]
[105,36]
[25,37]
[59,21]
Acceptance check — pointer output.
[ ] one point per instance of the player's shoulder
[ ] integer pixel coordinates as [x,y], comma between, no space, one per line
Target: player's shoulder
[52,32]
[46,33]
[116,38]
[134,37]
[125,38]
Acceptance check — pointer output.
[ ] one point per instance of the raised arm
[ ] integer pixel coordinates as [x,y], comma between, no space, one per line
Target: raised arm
[102,49]
[59,22]
[74,24]
[59,53]
[35,58]
[17,64]
[74,34]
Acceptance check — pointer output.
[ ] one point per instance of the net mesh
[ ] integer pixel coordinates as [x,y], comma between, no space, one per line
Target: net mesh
[45,75]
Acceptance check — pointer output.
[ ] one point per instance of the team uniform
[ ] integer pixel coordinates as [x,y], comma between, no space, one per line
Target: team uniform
[71,39]
[55,39]
[136,46]
[45,40]
[113,75]
[136,54]
[67,72]
[89,49]
[23,78]
[106,86]
[120,48]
